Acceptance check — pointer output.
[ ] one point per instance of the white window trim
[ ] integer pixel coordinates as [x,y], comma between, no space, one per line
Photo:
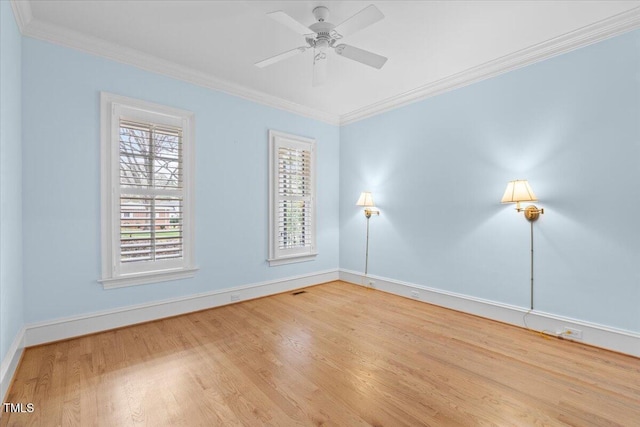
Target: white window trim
[112,107]
[277,257]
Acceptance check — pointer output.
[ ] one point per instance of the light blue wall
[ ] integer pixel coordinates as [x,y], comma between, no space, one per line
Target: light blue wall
[571,125]
[11,294]
[438,168]
[61,139]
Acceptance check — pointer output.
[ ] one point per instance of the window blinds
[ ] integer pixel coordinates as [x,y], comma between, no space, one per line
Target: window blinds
[151,192]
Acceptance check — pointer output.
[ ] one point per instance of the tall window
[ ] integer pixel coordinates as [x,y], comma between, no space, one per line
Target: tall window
[146,192]
[292,201]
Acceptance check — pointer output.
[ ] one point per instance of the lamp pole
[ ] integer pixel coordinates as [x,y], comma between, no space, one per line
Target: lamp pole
[366,259]
[531,223]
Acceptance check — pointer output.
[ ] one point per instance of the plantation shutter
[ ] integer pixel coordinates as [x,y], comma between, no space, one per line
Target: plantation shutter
[151,192]
[294,198]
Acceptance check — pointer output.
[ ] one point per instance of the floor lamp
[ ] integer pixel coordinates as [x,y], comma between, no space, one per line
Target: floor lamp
[518,191]
[366,200]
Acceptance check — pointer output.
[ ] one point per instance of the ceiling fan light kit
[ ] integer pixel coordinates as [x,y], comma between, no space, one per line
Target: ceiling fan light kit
[323,36]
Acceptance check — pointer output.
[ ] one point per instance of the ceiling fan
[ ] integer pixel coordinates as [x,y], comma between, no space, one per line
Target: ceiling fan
[324,35]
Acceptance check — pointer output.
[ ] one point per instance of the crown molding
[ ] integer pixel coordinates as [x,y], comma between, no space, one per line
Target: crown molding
[22,12]
[601,30]
[92,45]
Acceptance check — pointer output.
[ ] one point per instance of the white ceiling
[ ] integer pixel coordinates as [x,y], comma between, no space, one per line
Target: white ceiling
[431,45]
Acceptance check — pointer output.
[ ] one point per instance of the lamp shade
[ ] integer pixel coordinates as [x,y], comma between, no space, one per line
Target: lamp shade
[518,191]
[366,200]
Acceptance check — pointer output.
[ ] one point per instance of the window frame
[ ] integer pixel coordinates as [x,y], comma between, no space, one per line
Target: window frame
[113,108]
[278,256]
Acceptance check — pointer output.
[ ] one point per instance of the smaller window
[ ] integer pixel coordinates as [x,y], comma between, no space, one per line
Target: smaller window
[292,198]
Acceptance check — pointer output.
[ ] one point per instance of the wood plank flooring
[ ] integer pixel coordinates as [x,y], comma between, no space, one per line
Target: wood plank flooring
[338,355]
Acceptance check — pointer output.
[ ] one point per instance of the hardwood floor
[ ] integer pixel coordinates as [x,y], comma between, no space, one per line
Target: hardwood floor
[337,354]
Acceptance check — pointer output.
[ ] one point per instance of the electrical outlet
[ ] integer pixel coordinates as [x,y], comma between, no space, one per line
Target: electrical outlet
[235,297]
[415,294]
[574,334]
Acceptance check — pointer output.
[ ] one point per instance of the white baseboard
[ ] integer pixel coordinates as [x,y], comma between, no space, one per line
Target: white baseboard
[10,362]
[43,332]
[69,327]
[593,334]
[60,329]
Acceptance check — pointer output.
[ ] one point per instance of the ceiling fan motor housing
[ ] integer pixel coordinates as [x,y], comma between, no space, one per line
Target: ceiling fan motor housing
[322,28]
[323,37]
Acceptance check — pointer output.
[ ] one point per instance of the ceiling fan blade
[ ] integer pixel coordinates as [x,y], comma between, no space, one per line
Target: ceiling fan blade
[288,21]
[280,57]
[367,16]
[364,56]
[319,68]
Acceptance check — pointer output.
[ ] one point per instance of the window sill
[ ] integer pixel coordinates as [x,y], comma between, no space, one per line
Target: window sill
[291,259]
[146,278]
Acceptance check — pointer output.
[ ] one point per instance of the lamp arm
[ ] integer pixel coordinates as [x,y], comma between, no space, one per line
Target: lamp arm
[370,211]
